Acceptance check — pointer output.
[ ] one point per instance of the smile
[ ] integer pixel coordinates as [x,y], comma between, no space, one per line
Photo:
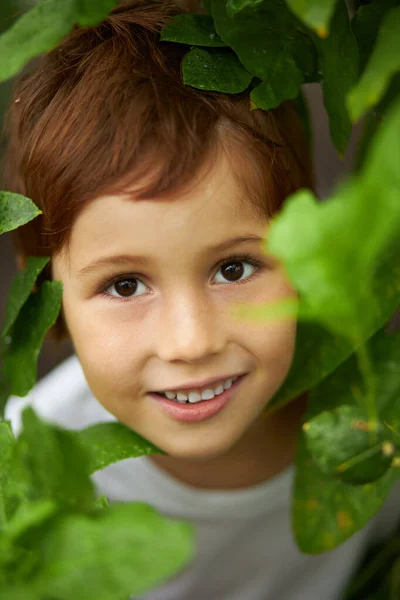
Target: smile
[199,410]
[194,396]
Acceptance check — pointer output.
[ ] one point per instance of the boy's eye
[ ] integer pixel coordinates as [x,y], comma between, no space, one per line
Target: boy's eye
[125,288]
[234,270]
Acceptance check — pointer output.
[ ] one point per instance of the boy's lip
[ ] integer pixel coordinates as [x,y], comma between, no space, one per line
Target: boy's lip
[199,411]
[194,385]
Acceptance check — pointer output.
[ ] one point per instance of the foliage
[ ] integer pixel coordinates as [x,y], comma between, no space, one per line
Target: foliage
[342,258]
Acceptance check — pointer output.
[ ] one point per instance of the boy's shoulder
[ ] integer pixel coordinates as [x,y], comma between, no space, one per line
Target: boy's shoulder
[62,397]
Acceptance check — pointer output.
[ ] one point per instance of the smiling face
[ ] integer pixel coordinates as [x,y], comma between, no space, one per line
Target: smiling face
[159,316]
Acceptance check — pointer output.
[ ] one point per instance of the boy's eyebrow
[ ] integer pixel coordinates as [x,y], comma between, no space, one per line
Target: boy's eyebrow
[144,261]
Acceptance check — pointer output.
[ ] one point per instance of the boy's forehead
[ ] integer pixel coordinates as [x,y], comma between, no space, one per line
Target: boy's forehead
[214,196]
[205,215]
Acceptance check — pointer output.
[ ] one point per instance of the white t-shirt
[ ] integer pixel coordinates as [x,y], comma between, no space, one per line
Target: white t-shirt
[244,545]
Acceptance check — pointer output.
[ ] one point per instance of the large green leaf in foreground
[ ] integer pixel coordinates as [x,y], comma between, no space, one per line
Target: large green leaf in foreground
[57,466]
[326,511]
[351,293]
[57,540]
[126,549]
[15,210]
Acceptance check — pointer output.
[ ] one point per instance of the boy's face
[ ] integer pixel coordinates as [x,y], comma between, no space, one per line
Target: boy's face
[168,321]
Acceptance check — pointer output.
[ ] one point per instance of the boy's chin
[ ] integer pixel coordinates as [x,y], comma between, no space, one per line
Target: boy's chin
[201,453]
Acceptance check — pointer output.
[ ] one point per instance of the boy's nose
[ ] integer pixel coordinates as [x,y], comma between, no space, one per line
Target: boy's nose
[190,330]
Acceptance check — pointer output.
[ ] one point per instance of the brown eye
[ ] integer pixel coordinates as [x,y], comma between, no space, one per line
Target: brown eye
[232,271]
[126,287]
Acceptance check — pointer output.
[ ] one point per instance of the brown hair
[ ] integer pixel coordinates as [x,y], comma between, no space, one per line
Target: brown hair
[107,109]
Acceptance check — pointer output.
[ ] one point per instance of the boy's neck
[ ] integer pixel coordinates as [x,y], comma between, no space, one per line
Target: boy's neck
[266,449]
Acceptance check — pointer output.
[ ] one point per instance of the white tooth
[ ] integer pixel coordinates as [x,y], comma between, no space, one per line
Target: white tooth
[207,394]
[228,384]
[194,397]
[219,390]
[181,397]
[170,395]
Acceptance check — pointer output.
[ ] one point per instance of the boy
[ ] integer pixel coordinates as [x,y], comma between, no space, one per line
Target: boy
[156,198]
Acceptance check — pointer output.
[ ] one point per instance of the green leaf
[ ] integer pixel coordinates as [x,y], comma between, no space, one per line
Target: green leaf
[326,511]
[314,13]
[304,53]
[217,70]
[383,64]
[37,31]
[338,60]
[316,241]
[193,29]
[37,315]
[93,12]
[21,289]
[127,549]
[318,352]
[271,93]
[15,210]
[57,465]
[343,443]
[108,443]
[365,25]
[263,40]
[322,239]
[29,516]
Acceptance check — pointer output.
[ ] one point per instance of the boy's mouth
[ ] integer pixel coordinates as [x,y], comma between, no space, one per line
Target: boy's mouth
[197,395]
[201,409]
